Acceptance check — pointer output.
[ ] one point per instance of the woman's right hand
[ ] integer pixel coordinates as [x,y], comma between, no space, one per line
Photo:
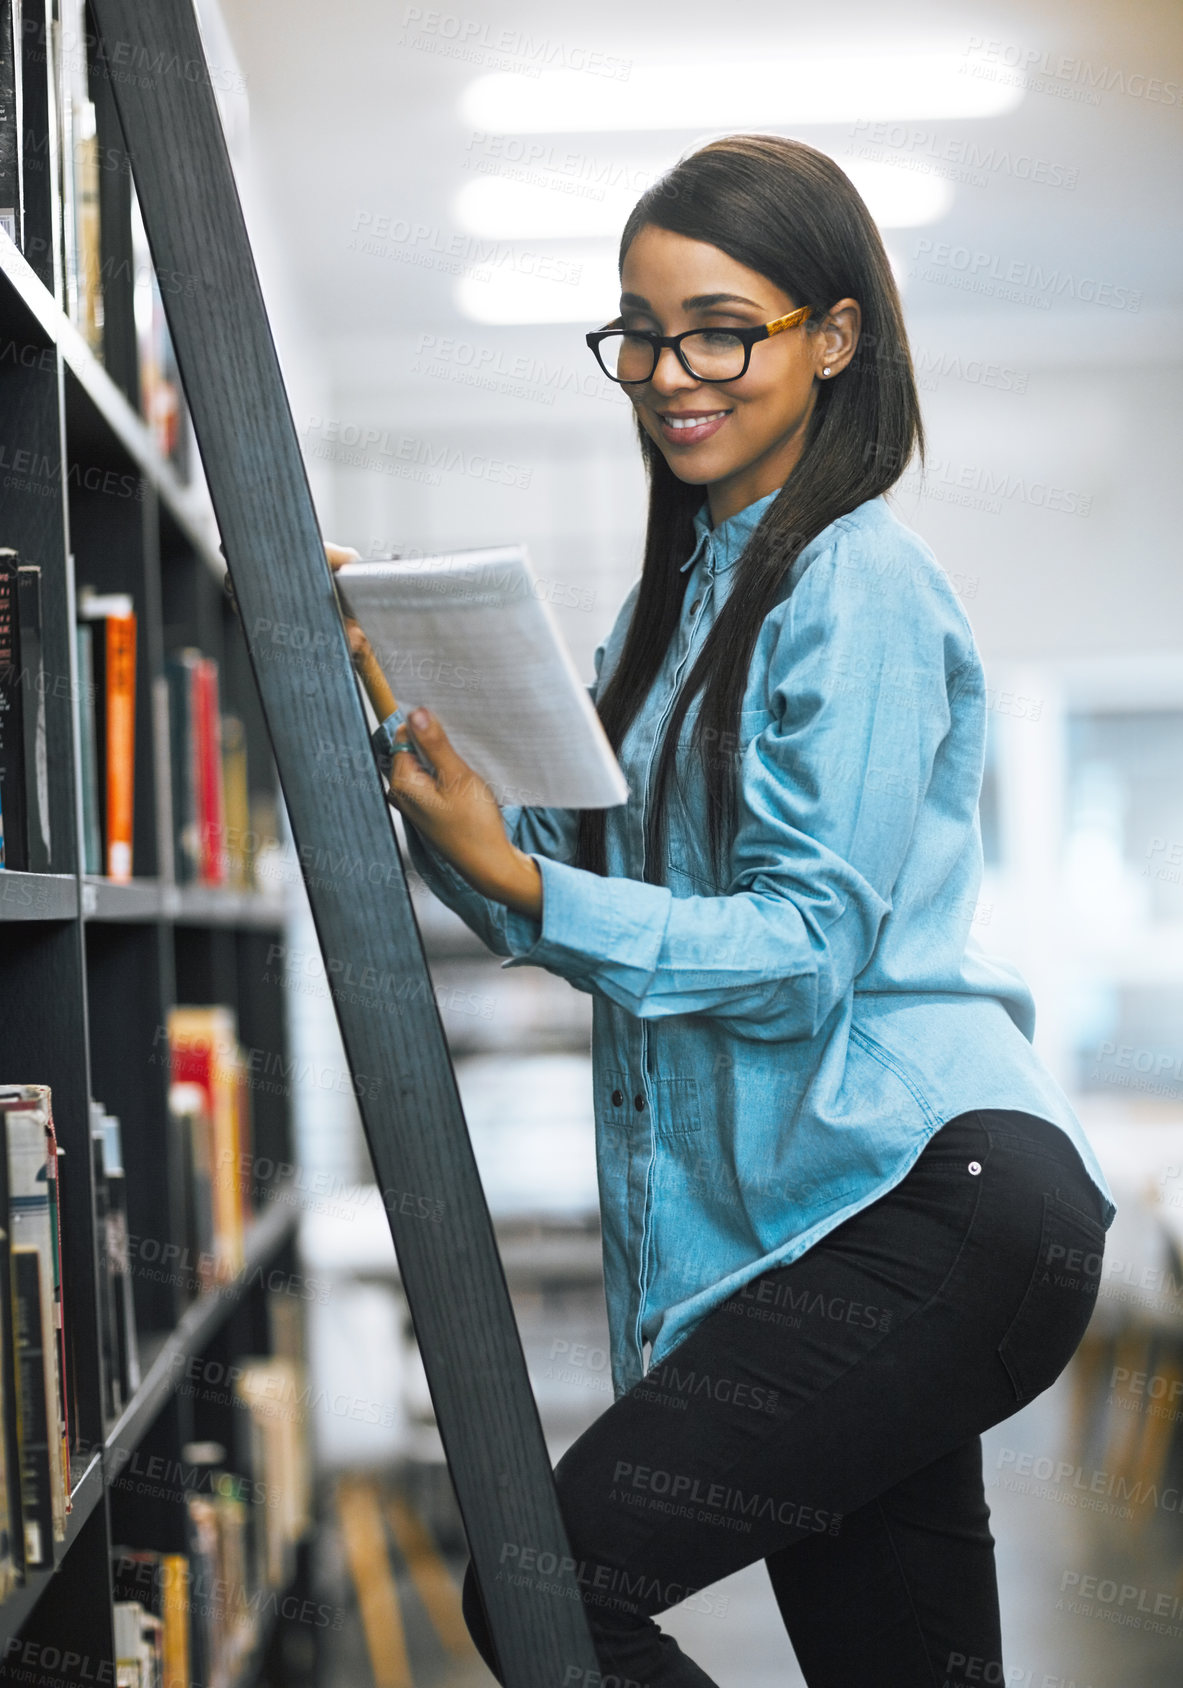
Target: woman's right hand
[364,660]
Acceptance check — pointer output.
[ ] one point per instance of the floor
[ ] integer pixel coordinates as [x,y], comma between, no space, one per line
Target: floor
[1054,1529]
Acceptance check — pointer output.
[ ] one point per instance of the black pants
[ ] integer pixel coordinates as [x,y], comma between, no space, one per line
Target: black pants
[827,1419]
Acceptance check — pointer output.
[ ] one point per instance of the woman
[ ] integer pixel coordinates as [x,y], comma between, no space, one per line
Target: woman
[846,1210]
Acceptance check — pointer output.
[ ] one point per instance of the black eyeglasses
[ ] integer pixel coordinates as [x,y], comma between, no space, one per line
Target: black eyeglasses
[629,355]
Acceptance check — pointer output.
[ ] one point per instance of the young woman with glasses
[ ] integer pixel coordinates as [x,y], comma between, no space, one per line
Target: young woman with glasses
[850,1220]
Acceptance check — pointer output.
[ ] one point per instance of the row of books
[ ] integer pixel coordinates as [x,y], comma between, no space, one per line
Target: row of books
[88,277]
[206,809]
[193,1618]
[209,1109]
[34,1439]
[210,1118]
[213,840]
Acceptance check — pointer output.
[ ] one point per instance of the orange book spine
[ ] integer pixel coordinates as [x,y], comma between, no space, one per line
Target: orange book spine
[121,742]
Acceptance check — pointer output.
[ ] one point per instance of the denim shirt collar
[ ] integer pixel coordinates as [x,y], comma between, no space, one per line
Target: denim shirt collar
[723,544]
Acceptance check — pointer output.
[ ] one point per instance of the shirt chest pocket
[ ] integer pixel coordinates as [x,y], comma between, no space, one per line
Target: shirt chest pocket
[687,858]
[675,1103]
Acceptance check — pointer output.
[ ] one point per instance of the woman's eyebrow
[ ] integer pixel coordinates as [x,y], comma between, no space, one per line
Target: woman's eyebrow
[698,302]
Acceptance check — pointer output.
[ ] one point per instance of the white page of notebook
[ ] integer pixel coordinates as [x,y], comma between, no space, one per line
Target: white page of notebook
[469,637]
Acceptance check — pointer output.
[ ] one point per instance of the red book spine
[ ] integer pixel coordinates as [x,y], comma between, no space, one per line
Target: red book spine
[121,742]
[209,751]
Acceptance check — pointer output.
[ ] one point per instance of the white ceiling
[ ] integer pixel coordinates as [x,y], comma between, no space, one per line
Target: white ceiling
[353,112]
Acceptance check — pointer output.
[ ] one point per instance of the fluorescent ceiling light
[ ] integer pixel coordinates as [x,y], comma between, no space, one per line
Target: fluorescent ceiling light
[801,88]
[499,208]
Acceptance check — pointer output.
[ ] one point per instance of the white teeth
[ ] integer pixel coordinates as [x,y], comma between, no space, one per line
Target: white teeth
[691,421]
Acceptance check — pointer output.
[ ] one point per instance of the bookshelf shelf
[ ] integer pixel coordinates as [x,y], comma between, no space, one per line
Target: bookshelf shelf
[270,1231]
[86,1494]
[95,398]
[164,770]
[193,905]
[38,896]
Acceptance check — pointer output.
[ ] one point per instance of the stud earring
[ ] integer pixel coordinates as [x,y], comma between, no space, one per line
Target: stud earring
[826,371]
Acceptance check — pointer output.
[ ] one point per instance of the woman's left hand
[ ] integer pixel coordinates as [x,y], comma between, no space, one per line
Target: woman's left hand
[456,811]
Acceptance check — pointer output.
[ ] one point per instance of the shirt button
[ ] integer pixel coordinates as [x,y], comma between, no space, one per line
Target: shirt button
[638,1101]
[975,1167]
[617,1098]
[695,605]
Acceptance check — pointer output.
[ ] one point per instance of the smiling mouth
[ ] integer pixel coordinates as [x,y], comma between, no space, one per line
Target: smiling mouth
[694,419]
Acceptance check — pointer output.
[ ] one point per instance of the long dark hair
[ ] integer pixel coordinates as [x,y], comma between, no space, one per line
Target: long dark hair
[790,213]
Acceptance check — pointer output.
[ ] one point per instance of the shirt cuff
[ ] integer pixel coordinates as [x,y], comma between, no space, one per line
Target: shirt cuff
[588,921]
[382,742]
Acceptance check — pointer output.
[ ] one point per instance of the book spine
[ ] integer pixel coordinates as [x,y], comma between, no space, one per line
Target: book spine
[179,669]
[166,863]
[59,1286]
[31,1202]
[113,1402]
[36,1486]
[12,1558]
[10,120]
[92,837]
[120,742]
[36,746]
[12,749]
[175,1569]
[209,741]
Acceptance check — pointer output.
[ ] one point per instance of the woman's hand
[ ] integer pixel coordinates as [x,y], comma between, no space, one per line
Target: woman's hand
[453,808]
[456,811]
[364,660]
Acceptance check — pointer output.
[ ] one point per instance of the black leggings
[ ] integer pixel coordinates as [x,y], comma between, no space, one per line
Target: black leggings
[827,1419]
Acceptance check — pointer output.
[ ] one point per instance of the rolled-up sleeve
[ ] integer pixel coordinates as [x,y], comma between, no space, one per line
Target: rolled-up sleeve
[859,684]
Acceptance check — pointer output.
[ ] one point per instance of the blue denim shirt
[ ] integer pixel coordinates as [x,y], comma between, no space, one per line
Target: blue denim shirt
[771,1052]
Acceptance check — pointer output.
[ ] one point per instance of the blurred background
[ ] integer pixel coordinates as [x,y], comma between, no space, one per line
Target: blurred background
[435,199]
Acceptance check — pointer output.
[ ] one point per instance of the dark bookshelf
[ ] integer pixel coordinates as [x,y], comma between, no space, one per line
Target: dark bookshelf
[89,967]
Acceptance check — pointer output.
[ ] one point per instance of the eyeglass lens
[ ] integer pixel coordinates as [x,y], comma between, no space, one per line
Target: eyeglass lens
[712,354]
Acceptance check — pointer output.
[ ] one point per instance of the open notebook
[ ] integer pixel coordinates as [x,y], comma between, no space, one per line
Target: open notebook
[470,637]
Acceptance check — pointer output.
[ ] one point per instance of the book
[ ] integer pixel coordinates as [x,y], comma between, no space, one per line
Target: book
[204,1049]
[12,1551]
[161,399]
[92,841]
[157,1583]
[36,1435]
[114,661]
[10,119]
[191,1128]
[139,1646]
[34,1221]
[120,1346]
[78,151]
[24,758]
[12,730]
[236,801]
[273,1390]
[208,750]
[180,667]
[36,742]
[470,636]
[162,770]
